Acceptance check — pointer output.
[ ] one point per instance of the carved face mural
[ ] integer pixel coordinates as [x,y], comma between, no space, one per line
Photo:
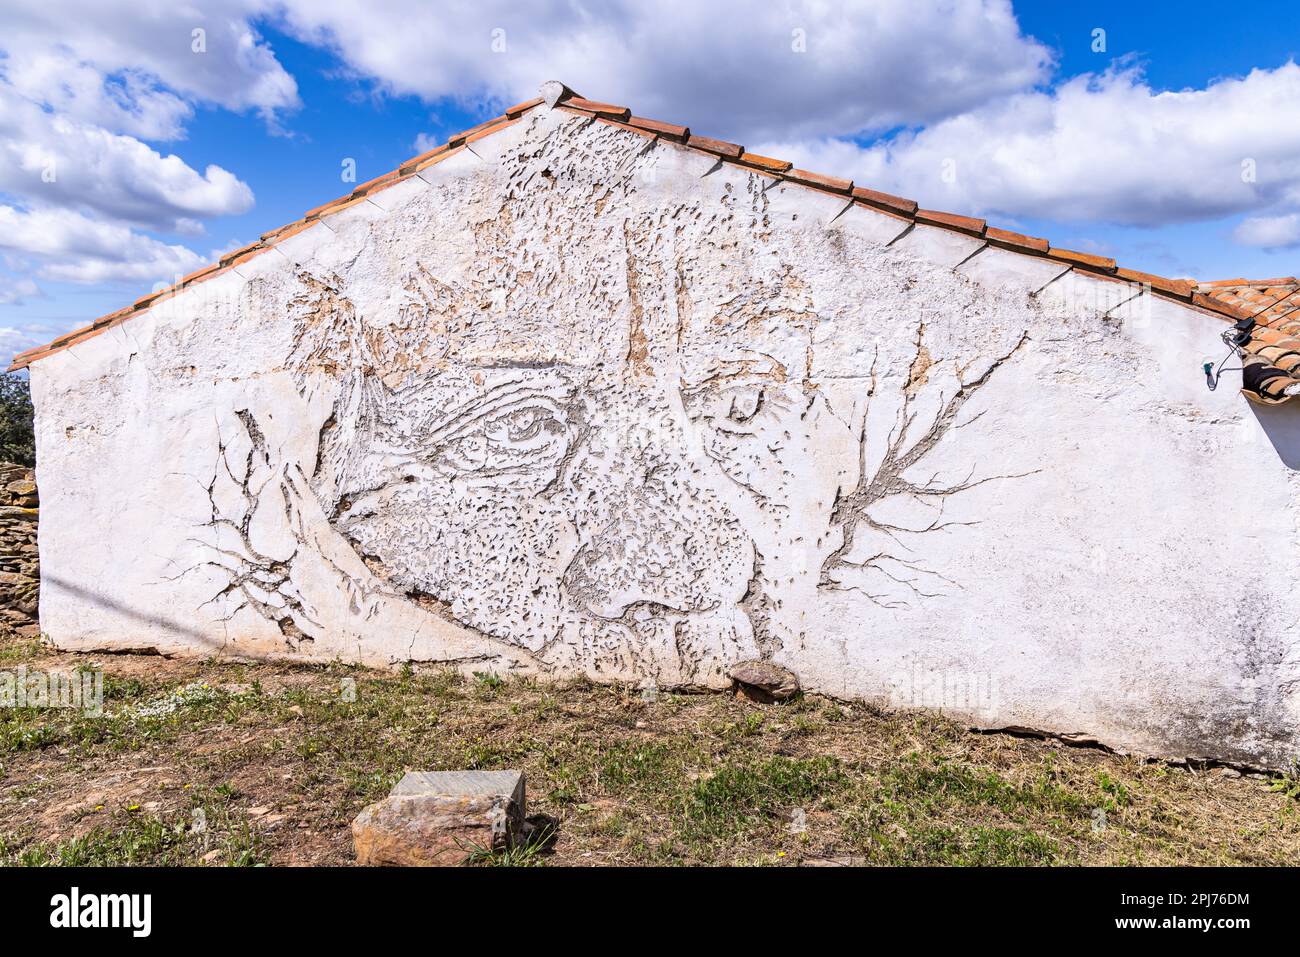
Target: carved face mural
[562,507]
[655,477]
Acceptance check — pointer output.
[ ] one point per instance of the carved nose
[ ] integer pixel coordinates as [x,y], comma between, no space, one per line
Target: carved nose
[664,546]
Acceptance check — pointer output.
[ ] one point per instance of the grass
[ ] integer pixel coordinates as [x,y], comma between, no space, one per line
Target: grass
[219,763]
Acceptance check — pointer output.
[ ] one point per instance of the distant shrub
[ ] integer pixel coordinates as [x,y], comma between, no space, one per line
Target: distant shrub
[17,435]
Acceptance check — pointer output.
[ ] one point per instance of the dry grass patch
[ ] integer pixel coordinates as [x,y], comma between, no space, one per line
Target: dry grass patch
[205,762]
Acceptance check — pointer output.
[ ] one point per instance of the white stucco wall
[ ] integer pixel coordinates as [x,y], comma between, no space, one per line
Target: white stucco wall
[572,402]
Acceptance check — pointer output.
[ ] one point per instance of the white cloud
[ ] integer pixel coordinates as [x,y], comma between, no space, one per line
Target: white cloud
[727,67]
[52,158]
[69,246]
[1097,148]
[82,86]
[425,142]
[13,292]
[149,47]
[1269,232]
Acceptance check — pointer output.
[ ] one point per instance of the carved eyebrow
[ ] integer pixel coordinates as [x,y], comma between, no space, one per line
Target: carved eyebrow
[730,370]
[495,401]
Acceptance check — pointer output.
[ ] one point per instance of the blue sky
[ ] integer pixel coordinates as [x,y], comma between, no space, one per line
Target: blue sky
[1136,151]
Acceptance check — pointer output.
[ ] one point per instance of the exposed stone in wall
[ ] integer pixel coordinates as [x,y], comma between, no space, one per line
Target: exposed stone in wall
[19,564]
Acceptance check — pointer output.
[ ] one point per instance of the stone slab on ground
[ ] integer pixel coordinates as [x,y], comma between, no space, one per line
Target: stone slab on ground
[441,818]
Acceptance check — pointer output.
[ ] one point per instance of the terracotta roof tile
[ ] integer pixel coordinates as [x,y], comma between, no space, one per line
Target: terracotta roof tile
[113,317]
[832,184]
[1221,306]
[719,147]
[1005,237]
[766,163]
[284,232]
[963,224]
[143,301]
[595,106]
[894,204]
[316,213]
[234,254]
[1182,288]
[410,165]
[1103,263]
[460,138]
[651,134]
[488,129]
[436,159]
[370,185]
[671,130]
[519,109]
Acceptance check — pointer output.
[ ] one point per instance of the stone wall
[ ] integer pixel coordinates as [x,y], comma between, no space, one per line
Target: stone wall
[19,563]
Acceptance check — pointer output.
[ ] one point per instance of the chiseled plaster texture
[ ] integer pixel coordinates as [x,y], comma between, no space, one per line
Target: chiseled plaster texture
[572,401]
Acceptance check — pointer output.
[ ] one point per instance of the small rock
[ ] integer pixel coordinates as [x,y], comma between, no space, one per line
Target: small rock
[258,811]
[650,693]
[1229,773]
[439,818]
[764,680]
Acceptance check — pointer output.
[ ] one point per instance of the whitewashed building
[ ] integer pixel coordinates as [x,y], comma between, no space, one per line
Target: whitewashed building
[581,392]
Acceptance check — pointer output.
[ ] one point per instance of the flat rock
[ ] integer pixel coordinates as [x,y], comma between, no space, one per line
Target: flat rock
[440,818]
[765,678]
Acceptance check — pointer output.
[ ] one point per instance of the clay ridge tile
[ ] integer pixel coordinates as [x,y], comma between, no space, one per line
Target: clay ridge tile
[963,224]
[766,163]
[240,253]
[832,184]
[650,134]
[1283,281]
[1181,288]
[886,201]
[717,147]
[1089,260]
[316,213]
[284,232]
[369,185]
[1005,237]
[608,110]
[1214,304]
[670,130]
[1223,282]
[519,109]
[465,135]
[113,317]
[410,165]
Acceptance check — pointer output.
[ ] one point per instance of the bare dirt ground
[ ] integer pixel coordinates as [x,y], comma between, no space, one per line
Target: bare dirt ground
[220,763]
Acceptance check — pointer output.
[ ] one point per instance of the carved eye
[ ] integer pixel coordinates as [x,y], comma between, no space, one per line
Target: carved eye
[739,408]
[745,404]
[466,454]
[522,439]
